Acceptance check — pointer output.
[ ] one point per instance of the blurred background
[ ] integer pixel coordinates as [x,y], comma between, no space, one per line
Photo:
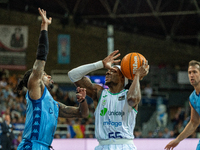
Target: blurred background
[167,33]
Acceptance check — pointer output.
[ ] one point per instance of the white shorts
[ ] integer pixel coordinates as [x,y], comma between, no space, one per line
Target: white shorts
[116,144]
[116,147]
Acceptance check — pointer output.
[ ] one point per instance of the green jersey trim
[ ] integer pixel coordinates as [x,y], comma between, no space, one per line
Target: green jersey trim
[135,110]
[115,93]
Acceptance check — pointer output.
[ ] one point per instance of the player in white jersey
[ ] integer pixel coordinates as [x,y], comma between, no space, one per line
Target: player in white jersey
[115,107]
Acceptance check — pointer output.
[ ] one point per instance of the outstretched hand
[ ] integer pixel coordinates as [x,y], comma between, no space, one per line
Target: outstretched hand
[172,144]
[43,14]
[81,94]
[110,59]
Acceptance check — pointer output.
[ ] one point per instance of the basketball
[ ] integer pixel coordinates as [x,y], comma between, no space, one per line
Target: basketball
[130,63]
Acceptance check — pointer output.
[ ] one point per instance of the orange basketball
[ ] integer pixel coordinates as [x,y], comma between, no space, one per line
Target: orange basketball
[130,63]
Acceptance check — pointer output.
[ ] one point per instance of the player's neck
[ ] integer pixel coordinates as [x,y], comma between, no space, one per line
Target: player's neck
[197,89]
[115,89]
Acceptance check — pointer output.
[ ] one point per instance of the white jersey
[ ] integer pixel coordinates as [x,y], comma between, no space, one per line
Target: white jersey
[114,118]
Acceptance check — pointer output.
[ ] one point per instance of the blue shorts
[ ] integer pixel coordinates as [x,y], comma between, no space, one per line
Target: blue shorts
[30,145]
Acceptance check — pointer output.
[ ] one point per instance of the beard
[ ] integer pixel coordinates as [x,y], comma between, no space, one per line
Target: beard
[51,86]
[110,83]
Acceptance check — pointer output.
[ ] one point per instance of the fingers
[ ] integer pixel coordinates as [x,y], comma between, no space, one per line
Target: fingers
[40,12]
[116,56]
[117,61]
[81,93]
[169,147]
[114,53]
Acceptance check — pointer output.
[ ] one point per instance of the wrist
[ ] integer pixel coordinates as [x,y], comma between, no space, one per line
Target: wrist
[44,26]
[99,64]
[137,75]
[82,101]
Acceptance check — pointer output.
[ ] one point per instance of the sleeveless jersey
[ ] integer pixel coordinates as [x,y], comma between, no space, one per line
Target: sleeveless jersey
[195,101]
[41,121]
[114,118]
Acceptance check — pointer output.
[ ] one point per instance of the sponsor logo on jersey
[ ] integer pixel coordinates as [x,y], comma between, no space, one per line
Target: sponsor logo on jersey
[135,65]
[111,123]
[103,112]
[116,113]
[104,96]
[50,110]
[121,98]
[36,109]
[103,102]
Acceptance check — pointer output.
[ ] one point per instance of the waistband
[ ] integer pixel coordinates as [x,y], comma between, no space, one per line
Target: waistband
[115,141]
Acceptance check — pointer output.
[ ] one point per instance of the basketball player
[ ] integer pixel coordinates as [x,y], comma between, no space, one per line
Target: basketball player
[194,101]
[42,110]
[117,107]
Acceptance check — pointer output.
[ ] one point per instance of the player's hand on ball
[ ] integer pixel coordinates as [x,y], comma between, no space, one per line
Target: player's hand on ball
[143,70]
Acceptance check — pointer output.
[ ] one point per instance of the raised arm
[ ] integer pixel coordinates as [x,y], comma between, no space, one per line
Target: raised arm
[77,75]
[76,112]
[134,93]
[35,84]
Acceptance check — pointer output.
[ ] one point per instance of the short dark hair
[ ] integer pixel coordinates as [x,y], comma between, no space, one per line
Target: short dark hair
[24,80]
[194,62]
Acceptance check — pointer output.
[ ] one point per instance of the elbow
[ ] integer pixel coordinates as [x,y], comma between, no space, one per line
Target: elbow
[70,73]
[133,101]
[194,123]
[73,76]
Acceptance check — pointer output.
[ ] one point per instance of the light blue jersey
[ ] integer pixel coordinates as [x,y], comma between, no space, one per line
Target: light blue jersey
[41,122]
[195,102]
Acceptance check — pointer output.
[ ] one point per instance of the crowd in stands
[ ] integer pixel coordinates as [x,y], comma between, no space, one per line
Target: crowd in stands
[14,105]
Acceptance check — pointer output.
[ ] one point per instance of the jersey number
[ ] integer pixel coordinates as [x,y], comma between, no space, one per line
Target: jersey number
[114,135]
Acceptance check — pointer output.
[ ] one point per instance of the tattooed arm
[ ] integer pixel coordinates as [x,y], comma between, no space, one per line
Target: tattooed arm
[76,112]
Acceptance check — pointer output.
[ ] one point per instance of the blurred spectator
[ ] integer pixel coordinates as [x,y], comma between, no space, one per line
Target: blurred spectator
[172,134]
[162,115]
[180,126]
[57,136]
[137,133]
[179,116]
[7,135]
[166,133]
[90,135]
[12,80]
[148,90]
[150,134]
[16,141]
[160,134]
[3,82]
[176,133]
